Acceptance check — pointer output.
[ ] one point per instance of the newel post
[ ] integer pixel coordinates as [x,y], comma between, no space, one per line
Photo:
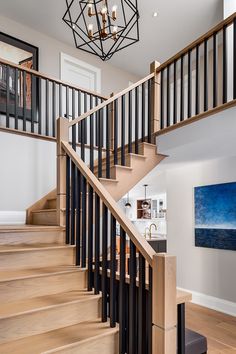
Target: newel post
[164,308]
[62,135]
[155,98]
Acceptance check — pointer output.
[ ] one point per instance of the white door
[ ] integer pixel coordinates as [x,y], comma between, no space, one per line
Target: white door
[79,73]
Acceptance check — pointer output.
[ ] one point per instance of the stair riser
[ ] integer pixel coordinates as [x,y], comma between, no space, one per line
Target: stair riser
[44,218]
[52,204]
[37,258]
[30,238]
[41,321]
[15,290]
[105,344]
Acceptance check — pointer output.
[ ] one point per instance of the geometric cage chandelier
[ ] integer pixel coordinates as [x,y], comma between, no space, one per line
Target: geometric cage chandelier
[103,27]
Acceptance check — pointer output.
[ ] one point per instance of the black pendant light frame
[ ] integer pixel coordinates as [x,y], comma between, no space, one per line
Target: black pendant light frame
[127,34]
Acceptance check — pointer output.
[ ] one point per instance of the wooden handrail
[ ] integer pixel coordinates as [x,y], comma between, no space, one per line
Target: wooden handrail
[140,242]
[50,78]
[198,41]
[110,100]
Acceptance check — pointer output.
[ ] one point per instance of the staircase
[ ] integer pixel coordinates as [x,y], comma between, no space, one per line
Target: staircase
[122,180]
[45,306]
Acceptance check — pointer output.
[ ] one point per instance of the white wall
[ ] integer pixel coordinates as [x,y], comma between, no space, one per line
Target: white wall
[113,78]
[27,172]
[209,272]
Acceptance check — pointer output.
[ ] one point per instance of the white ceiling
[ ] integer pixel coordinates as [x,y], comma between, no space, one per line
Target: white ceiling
[179,22]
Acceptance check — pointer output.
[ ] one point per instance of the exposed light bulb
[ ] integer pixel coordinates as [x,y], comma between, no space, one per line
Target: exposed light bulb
[90,30]
[90,27]
[155,14]
[104,10]
[115,29]
[114,10]
[73,26]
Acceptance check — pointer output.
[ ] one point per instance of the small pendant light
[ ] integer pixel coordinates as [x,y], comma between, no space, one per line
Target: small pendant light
[128,204]
[145,203]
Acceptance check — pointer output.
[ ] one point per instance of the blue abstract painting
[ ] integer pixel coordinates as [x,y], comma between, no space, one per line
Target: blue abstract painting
[215,216]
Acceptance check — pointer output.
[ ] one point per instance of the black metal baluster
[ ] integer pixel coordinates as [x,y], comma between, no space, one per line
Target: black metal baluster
[96,123]
[73,201]
[122,300]
[90,238]
[234,59]
[67,200]
[150,88]
[78,218]
[85,120]
[108,137]
[91,138]
[197,81]
[60,100]
[168,96]
[47,108]
[123,130]
[143,110]
[84,222]
[215,70]
[40,107]
[189,84]
[205,75]
[174,95]
[113,273]
[104,262]
[181,329]
[130,103]
[136,119]
[100,117]
[24,100]
[162,125]
[132,301]
[182,88]
[54,114]
[141,306]
[32,103]
[67,103]
[7,97]
[16,99]
[79,114]
[225,79]
[115,132]
[97,244]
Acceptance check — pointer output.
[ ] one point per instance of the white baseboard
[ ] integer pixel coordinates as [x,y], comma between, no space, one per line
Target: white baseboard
[213,303]
[12,217]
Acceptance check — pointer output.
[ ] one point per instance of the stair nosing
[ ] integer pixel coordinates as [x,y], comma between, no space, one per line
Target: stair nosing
[19,250]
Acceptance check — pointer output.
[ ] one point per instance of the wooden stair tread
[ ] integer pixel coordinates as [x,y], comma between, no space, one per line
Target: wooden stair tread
[108,179]
[31,247]
[45,302]
[67,336]
[29,228]
[16,274]
[45,211]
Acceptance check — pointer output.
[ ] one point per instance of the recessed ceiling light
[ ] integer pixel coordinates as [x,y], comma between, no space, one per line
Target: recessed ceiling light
[155,14]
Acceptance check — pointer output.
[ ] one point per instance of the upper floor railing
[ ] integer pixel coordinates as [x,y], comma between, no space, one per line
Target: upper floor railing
[31,101]
[200,79]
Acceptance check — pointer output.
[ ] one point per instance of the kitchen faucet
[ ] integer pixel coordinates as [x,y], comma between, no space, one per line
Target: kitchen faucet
[150,230]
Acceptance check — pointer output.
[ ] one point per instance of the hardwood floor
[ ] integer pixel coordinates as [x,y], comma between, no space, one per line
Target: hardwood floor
[220,329]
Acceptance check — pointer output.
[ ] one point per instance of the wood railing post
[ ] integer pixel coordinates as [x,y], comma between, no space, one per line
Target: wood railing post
[62,135]
[111,133]
[155,98]
[164,309]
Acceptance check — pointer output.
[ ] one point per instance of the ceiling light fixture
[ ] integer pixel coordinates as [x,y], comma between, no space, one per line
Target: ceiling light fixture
[155,14]
[103,27]
[145,203]
[128,204]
